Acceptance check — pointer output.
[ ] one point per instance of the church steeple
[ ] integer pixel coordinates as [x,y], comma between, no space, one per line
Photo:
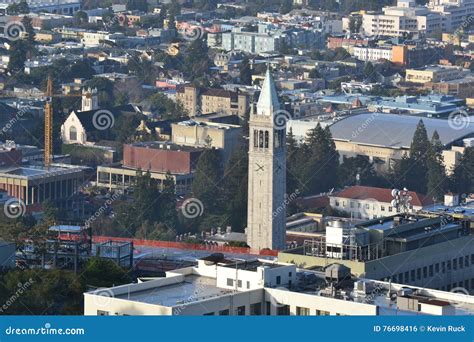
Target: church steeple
[268,101]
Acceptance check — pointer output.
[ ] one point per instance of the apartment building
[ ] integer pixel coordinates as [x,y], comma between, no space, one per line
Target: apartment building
[435,74]
[224,287]
[198,101]
[269,38]
[372,54]
[405,17]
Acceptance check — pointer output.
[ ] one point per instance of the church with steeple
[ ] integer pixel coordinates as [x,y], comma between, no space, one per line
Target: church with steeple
[266,225]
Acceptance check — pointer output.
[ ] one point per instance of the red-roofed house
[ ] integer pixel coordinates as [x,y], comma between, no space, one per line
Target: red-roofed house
[365,202]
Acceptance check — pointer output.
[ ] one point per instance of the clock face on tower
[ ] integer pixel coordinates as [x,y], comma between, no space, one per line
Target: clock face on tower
[259,167]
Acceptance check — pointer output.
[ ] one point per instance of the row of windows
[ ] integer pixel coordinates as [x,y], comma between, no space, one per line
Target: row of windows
[366,206]
[261,139]
[431,270]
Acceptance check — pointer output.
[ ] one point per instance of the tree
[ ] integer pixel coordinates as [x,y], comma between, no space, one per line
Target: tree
[206,185]
[137,5]
[411,171]
[18,54]
[369,72]
[235,189]
[462,180]
[100,272]
[358,171]
[320,170]
[245,72]
[23,7]
[196,60]
[286,6]
[146,198]
[437,182]
[81,17]
[30,33]
[314,73]
[168,214]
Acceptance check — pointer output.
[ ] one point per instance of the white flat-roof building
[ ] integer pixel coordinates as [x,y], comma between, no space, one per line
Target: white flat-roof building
[227,287]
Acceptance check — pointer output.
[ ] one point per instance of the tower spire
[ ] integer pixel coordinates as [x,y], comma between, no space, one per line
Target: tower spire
[268,101]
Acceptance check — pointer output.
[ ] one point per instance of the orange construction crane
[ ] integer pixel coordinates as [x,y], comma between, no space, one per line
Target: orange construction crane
[48,120]
[48,124]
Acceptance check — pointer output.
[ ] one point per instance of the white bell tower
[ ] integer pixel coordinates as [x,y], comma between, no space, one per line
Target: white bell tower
[266,225]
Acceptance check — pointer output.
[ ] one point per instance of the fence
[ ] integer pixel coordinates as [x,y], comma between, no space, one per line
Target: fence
[184,245]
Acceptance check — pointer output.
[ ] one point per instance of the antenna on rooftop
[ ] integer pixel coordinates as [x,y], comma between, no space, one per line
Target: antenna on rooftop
[401,200]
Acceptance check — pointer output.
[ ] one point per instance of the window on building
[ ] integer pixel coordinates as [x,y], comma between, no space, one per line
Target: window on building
[283,310]
[267,139]
[431,270]
[278,280]
[102,313]
[382,208]
[256,309]
[300,311]
[255,138]
[390,209]
[248,284]
[260,139]
[209,314]
[418,273]
[268,308]
[239,283]
[73,133]
[230,282]
[224,312]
